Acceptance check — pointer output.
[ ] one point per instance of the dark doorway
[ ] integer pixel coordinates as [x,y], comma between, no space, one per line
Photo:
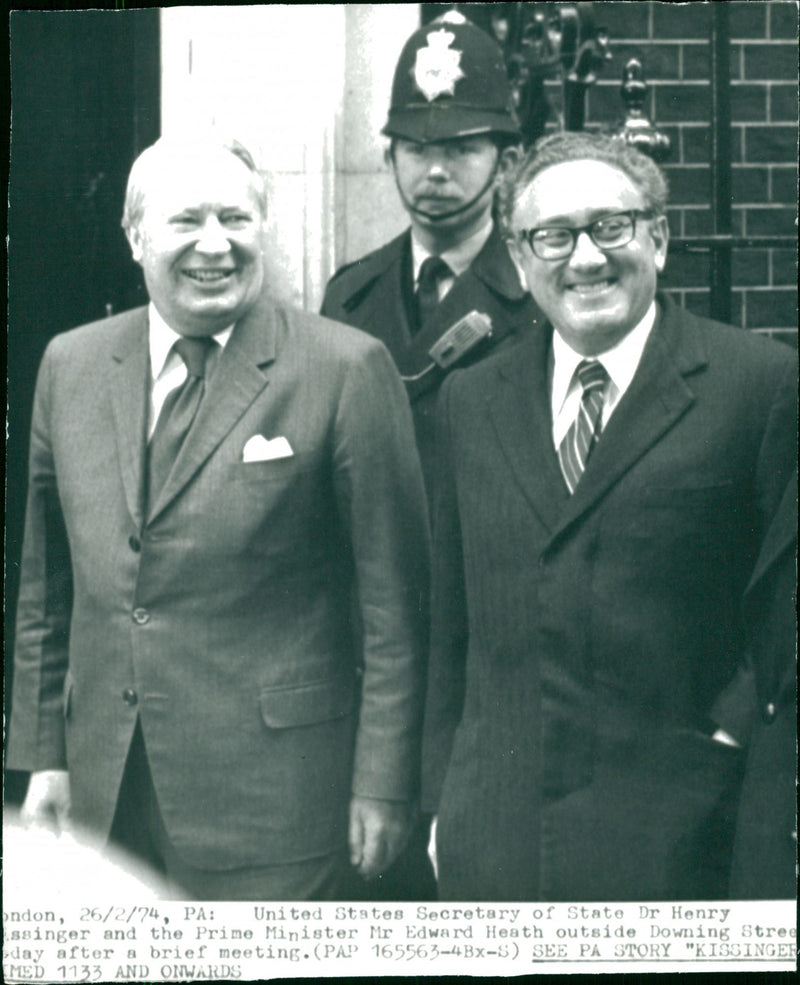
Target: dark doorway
[84,102]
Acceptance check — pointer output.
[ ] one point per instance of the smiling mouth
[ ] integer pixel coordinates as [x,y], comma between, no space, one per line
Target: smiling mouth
[208,276]
[595,287]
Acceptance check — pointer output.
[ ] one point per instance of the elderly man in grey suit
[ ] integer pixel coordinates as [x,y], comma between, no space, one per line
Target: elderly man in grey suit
[221,626]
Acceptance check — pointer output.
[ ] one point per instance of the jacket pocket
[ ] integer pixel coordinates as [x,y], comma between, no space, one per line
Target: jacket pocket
[289,706]
[273,469]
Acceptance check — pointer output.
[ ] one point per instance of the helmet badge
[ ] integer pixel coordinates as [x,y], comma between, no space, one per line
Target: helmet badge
[438,67]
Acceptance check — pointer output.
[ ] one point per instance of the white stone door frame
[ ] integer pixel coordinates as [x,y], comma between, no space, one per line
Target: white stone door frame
[306,88]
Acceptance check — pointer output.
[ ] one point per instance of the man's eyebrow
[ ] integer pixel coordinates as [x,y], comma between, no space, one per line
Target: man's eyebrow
[593,216]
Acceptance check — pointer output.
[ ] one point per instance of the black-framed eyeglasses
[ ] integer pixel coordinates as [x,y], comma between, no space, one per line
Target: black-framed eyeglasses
[607,233]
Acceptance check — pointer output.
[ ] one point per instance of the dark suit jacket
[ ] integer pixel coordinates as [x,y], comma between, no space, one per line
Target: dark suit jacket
[581,645]
[376,294]
[223,620]
[765,848]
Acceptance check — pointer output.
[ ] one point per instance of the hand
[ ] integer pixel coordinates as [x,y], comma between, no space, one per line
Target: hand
[432,848]
[378,831]
[48,800]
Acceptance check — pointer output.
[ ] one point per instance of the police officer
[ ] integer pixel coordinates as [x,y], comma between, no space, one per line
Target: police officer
[453,130]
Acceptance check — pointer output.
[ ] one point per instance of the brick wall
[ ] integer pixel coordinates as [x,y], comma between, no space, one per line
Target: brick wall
[672,41]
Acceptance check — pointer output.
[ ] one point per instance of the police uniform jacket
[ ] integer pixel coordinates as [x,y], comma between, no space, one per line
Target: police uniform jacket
[376,293]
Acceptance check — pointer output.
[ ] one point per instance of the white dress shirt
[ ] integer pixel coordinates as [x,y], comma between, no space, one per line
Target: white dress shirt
[167,369]
[458,259]
[620,363]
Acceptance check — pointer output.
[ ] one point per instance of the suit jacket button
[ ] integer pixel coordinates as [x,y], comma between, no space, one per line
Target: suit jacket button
[134,543]
[129,696]
[769,712]
[140,616]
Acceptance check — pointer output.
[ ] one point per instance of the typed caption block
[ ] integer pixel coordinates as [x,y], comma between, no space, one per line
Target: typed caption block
[172,941]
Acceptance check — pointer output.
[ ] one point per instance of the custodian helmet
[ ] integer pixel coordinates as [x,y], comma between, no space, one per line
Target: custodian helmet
[450,81]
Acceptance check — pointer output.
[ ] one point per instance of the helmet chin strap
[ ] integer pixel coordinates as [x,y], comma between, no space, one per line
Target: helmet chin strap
[441,216]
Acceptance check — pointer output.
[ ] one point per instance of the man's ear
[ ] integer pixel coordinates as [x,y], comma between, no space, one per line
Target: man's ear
[134,237]
[514,249]
[509,157]
[659,231]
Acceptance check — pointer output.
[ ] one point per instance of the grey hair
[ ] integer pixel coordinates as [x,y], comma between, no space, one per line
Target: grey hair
[561,147]
[145,170]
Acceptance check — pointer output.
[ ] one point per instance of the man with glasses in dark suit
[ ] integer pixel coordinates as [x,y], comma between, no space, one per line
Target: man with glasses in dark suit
[603,492]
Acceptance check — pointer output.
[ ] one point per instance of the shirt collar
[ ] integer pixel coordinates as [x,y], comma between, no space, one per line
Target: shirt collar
[620,362]
[162,339]
[459,258]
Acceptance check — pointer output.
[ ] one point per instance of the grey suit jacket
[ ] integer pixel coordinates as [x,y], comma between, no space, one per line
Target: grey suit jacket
[266,622]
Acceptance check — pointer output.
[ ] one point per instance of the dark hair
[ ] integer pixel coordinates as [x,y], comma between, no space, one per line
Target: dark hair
[561,147]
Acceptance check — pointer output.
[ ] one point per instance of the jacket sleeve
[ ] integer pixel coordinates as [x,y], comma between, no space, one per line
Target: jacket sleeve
[36,733]
[449,628]
[380,496]
[735,708]
[777,458]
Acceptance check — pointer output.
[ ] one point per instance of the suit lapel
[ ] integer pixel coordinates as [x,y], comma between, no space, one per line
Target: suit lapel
[656,400]
[521,416]
[495,268]
[490,273]
[490,285]
[128,389]
[658,397]
[239,377]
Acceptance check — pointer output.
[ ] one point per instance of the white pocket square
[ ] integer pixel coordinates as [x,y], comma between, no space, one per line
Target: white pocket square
[259,449]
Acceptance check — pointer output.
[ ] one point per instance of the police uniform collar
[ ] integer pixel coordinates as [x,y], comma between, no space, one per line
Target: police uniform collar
[459,258]
[361,272]
[493,265]
[496,269]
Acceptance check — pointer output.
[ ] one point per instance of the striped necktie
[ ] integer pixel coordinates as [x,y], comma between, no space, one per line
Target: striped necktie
[574,450]
[178,412]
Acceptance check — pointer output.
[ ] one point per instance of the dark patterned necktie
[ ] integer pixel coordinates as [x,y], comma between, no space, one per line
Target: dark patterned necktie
[575,448]
[177,412]
[433,270]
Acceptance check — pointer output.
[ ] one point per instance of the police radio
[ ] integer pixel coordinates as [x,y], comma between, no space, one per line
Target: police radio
[456,342]
[460,338]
